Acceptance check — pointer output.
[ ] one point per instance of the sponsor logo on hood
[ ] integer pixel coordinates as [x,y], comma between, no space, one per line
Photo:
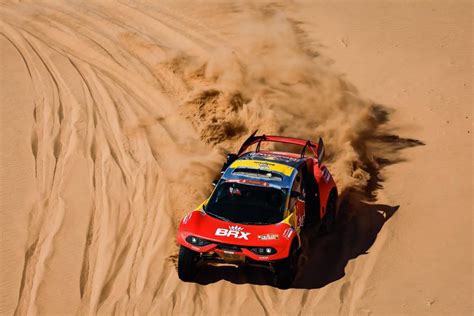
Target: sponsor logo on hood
[233,231]
[268,236]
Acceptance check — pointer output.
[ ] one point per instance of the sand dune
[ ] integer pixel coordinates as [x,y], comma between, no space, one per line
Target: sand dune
[115,118]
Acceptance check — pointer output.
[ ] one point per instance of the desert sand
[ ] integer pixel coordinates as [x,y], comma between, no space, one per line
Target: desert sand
[116,116]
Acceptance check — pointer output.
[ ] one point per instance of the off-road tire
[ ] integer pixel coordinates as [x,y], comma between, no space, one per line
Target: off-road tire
[285,270]
[187,261]
[330,216]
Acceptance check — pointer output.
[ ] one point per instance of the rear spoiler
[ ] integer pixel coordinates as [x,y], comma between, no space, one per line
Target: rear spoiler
[317,149]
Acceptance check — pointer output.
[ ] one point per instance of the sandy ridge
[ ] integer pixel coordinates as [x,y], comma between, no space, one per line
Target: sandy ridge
[134,106]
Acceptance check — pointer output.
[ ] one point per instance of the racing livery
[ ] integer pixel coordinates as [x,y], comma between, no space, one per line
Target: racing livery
[258,208]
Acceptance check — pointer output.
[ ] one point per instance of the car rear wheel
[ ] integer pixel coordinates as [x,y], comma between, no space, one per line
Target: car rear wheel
[330,217]
[187,261]
[285,270]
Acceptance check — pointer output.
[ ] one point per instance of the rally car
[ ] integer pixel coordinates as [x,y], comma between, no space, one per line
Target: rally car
[258,208]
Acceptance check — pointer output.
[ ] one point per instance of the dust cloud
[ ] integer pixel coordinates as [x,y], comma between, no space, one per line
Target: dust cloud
[133,109]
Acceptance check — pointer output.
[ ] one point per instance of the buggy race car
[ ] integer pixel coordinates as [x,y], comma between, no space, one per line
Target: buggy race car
[258,208]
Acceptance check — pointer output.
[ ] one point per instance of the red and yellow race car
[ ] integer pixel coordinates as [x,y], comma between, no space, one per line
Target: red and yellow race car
[257,209]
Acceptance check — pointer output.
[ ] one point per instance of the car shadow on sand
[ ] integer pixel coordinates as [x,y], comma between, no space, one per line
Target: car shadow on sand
[324,257]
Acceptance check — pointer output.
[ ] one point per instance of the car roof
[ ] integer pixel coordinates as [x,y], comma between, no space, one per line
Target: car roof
[283,166]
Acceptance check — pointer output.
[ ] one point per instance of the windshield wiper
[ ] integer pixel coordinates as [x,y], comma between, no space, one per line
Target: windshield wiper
[222,218]
[254,223]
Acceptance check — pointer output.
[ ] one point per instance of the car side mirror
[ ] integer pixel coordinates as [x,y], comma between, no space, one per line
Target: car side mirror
[231,158]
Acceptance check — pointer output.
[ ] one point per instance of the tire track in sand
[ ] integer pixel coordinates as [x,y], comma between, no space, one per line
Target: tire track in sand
[47,219]
[108,94]
[128,261]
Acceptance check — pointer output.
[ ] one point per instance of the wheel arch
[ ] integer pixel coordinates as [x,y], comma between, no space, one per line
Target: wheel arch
[329,191]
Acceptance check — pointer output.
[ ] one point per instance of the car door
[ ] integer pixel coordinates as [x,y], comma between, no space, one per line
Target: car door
[300,199]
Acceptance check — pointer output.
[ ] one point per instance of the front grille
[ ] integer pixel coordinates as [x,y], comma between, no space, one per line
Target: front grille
[226,247]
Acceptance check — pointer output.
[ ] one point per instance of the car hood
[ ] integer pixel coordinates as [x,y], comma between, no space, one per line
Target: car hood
[200,224]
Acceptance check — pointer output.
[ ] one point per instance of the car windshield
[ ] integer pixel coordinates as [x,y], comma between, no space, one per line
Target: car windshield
[247,204]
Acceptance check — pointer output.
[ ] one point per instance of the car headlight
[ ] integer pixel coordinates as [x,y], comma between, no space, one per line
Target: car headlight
[196,241]
[263,250]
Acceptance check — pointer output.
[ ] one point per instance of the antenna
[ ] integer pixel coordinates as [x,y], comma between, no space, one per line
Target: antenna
[258,144]
[308,143]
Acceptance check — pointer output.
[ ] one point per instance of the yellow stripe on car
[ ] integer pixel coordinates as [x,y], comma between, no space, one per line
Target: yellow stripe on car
[200,207]
[264,165]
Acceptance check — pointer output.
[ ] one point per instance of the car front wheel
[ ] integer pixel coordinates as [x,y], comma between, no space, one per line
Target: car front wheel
[285,270]
[187,261]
